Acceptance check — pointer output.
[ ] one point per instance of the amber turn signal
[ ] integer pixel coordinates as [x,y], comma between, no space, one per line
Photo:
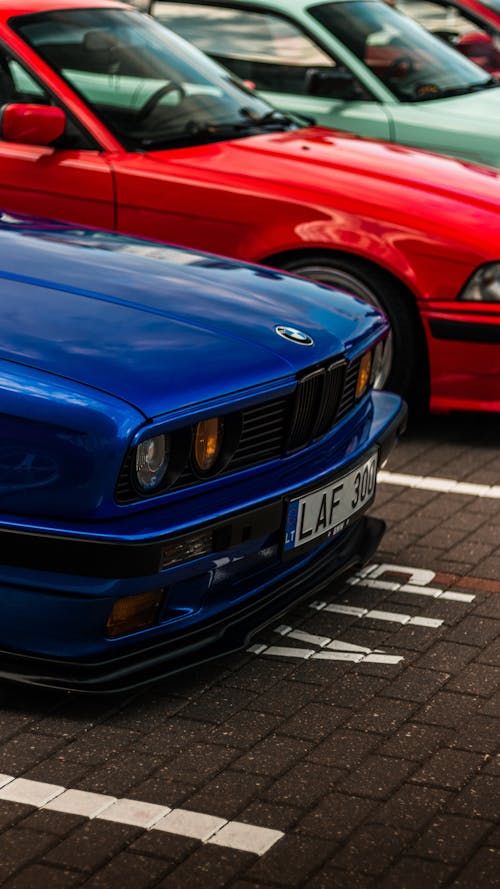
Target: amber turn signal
[208,443]
[134,613]
[364,374]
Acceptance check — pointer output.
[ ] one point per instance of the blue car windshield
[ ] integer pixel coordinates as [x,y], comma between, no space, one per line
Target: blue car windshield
[412,63]
[150,87]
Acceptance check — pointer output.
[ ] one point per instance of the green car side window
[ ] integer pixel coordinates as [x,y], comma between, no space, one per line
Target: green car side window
[266,49]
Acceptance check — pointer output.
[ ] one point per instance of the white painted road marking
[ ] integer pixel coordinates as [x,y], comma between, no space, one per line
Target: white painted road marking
[442,485]
[417,582]
[340,654]
[330,649]
[198,825]
[390,616]
[191,824]
[131,811]
[81,802]
[413,580]
[237,835]
[31,793]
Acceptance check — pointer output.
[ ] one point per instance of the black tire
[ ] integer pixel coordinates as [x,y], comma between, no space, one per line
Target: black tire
[407,365]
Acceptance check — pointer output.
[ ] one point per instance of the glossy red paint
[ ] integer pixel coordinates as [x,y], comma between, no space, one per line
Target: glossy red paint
[32,124]
[427,222]
[481,11]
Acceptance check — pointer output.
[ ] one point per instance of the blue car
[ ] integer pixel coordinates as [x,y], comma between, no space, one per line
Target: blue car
[188,448]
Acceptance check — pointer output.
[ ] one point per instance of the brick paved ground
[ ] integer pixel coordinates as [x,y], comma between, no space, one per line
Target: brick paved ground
[380,774]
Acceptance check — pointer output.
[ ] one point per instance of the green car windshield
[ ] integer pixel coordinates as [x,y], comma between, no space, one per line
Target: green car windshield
[412,63]
[149,87]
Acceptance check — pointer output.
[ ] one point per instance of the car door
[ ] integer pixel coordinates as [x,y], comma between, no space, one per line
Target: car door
[70,180]
[276,57]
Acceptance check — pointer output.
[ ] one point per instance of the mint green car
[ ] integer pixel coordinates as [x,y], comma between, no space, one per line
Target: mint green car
[357,65]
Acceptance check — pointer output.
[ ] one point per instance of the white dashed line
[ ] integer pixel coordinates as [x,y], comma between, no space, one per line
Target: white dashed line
[198,825]
[245,837]
[81,802]
[191,824]
[131,811]
[442,485]
[31,793]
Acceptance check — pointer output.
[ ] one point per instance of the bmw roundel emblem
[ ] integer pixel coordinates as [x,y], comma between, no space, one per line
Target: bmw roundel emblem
[294,335]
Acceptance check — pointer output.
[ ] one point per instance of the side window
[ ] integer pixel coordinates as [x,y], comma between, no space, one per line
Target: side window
[25,89]
[17,86]
[260,47]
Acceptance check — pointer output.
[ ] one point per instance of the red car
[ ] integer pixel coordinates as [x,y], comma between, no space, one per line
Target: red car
[110,120]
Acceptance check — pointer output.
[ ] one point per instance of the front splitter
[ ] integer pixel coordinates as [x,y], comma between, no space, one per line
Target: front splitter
[228,633]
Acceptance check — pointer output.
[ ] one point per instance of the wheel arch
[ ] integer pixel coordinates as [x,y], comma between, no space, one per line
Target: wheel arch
[367,270]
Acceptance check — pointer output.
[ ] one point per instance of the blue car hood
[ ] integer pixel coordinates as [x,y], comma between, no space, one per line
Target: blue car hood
[160,327]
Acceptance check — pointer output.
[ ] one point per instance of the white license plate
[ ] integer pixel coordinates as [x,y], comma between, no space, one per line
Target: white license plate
[329,510]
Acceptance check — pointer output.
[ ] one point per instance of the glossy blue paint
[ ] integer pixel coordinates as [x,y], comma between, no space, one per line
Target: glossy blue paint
[105,340]
[117,335]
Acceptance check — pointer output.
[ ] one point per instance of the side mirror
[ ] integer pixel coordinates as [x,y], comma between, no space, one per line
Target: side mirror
[31,124]
[331,83]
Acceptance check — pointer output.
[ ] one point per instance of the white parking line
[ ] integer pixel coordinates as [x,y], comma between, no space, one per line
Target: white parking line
[198,825]
[443,485]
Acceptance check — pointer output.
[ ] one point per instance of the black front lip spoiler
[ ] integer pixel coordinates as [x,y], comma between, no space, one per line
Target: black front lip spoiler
[224,635]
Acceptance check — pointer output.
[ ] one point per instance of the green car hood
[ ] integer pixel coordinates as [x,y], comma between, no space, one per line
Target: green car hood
[465,126]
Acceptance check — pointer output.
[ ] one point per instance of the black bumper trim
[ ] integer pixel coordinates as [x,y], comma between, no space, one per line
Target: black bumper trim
[224,635]
[94,558]
[465,331]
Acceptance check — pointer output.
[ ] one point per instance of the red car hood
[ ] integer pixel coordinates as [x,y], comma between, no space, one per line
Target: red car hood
[338,171]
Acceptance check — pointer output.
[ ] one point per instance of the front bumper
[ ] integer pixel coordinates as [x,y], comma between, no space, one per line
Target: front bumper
[225,634]
[464,352]
[53,623]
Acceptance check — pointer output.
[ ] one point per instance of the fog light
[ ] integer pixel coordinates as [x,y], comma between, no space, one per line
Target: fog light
[134,613]
[186,548]
[364,374]
[208,443]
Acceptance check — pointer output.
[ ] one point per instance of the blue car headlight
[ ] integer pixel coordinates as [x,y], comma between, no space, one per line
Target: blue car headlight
[484,285]
[151,461]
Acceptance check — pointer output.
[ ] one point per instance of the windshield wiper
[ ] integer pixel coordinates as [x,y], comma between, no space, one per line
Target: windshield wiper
[471,88]
[273,117]
[197,130]
[207,130]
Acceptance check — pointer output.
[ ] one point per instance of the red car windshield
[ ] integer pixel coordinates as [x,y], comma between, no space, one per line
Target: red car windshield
[412,63]
[150,87]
